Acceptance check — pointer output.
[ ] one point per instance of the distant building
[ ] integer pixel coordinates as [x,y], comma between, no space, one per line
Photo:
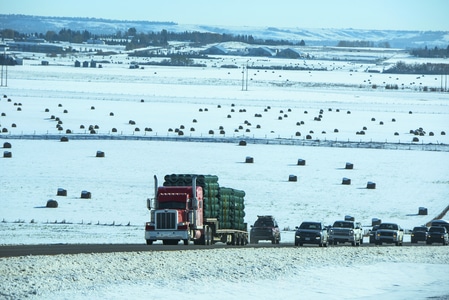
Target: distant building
[290,53]
[261,51]
[215,50]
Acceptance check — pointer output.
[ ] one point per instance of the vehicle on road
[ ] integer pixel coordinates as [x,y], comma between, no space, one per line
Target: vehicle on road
[438,234]
[265,228]
[372,234]
[346,232]
[419,234]
[390,233]
[311,233]
[191,207]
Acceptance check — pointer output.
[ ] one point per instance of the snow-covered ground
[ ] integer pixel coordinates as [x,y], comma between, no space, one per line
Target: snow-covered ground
[268,116]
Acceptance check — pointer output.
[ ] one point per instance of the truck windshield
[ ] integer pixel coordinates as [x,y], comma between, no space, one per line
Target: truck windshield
[344,225]
[310,226]
[172,205]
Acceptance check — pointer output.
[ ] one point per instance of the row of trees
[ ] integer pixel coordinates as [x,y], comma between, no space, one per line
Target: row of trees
[434,53]
[133,39]
[363,44]
[425,68]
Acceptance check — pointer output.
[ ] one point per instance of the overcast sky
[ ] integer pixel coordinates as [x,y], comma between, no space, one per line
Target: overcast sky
[377,14]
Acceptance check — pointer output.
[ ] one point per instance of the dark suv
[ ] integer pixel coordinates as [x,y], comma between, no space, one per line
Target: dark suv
[419,233]
[437,234]
[311,233]
[265,228]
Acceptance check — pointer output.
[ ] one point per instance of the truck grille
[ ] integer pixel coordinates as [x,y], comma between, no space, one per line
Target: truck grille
[166,220]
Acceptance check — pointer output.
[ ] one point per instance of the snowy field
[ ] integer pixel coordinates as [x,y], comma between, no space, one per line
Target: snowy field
[161,102]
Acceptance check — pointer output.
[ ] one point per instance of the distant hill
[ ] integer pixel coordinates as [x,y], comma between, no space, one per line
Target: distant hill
[312,36]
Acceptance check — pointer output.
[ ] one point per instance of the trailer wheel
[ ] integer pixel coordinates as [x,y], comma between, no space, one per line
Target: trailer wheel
[207,235]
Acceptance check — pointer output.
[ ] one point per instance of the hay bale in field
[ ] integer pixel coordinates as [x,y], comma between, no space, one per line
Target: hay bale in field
[7,145]
[92,107]
[431,133]
[396,133]
[301,162]
[68,131]
[443,133]
[100,154]
[242,143]
[111,114]
[65,111]
[415,140]
[180,132]
[346,181]
[7,154]
[308,137]
[349,218]
[114,129]
[349,166]
[249,160]
[86,195]
[211,131]
[64,139]
[422,211]
[4,130]
[52,203]
[292,178]
[376,221]
[61,192]
[298,133]
[371,185]
[336,130]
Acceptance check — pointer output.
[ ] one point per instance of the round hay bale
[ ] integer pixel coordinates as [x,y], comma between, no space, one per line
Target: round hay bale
[336,130]
[137,129]
[13,125]
[180,132]
[410,112]
[131,122]
[64,139]
[373,119]
[349,166]
[348,112]
[92,107]
[100,154]
[292,178]
[52,203]
[346,181]
[247,130]
[4,130]
[229,116]
[298,133]
[279,118]
[142,101]
[396,133]
[192,129]
[443,133]
[59,105]
[393,120]
[65,111]
[47,110]
[371,185]
[415,139]
[68,131]
[376,221]
[249,160]
[242,143]
[7,154]
[258,126]
[194,121]
[308,137]
[7,145]
[93,131]
[211,131]
[111,114]
[431,133]
[301,162]
[3,114]
[82,127]
[422,211]
[61,192]
[381,123]
[114,129]
[86,195]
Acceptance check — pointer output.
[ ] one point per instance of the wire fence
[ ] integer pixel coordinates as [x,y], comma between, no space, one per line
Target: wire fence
[440,147]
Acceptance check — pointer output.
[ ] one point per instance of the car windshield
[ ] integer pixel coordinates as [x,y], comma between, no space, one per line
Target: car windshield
[264,223]
[420,229]
[310,226]
[388,226]
[344,224]
[436,229]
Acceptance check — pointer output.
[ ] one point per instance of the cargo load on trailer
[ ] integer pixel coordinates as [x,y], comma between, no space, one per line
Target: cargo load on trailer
[190,207]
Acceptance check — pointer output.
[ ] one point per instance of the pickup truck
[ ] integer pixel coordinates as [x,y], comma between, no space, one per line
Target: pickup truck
[346,232]
[389,233]
[311,233]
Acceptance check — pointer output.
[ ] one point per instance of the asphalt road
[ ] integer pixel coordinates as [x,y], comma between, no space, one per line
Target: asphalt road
[55,249]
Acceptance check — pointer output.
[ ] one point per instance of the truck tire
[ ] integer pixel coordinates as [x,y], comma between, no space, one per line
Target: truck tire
[149,242]
[186,242]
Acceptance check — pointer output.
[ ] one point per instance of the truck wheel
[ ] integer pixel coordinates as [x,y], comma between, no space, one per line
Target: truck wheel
[296,243]
[186,242]
[149,242]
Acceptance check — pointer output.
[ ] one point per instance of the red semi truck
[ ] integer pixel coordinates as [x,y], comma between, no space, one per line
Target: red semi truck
[191,207]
